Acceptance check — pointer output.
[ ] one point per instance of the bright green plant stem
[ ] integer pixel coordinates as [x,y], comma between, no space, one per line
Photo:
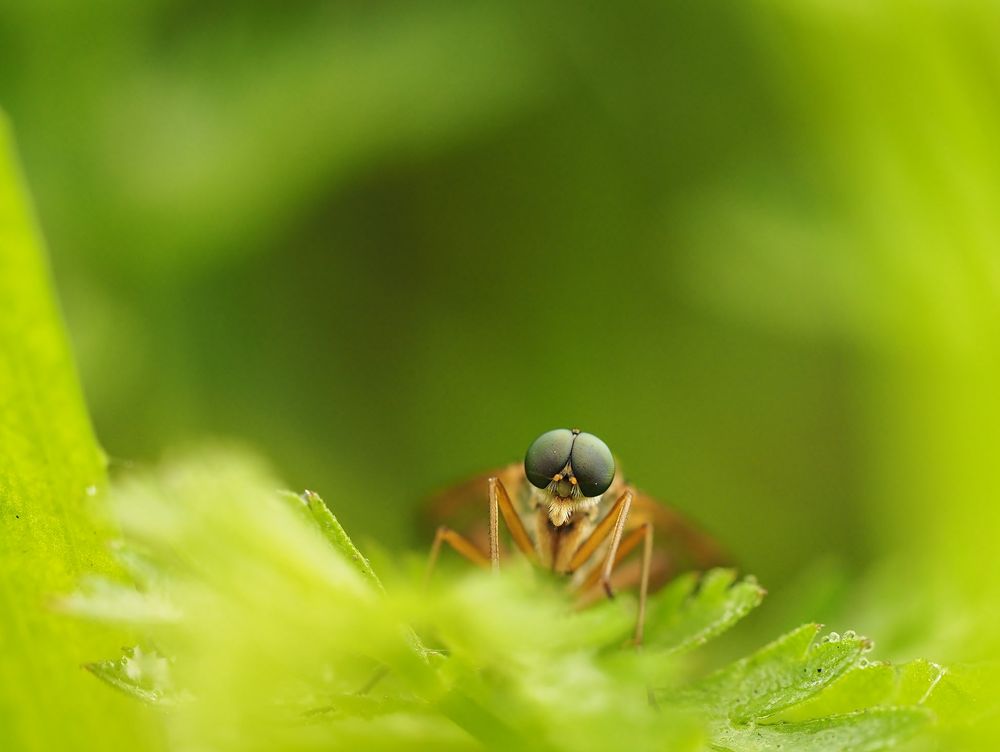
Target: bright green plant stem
[51,468]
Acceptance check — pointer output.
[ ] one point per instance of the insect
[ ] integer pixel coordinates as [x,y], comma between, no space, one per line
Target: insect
[568,508]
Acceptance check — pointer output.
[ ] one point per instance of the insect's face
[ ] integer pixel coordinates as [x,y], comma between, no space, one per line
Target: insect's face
[569,464]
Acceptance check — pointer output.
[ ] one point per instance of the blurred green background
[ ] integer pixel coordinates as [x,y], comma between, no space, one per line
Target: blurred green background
[754,246]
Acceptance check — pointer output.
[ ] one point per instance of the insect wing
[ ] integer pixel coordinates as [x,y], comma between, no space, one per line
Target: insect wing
[686,545]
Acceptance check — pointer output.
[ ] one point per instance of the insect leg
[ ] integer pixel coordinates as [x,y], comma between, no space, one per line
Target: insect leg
[647,562]
[613,524]
[500,503]
[616,539]
[627,546]
[642,534]
[458,542]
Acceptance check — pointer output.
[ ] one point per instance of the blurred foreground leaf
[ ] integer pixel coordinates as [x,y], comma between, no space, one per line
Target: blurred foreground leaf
[334,532]
[142,674]
[50,468]
[285,639]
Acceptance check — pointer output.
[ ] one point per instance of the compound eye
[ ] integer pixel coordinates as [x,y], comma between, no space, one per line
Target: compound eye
[547,455]
[593,465]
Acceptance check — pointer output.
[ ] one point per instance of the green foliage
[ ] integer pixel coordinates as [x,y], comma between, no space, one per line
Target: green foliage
[334,533]
[50,470]
[866,731]
[748,698]
[680,619]
[774,225]
[782,674]
[283,638]
[142,674]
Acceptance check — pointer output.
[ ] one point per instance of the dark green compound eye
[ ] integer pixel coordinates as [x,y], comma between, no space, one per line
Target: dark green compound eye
[593,464]
[589,458]
[548,455]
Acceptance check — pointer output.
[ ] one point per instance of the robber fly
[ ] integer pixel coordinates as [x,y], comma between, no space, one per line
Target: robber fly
[568,509]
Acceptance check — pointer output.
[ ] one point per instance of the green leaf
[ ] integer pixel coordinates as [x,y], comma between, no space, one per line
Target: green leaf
[965,694]
[870,685]
[797,694]
[689,612]
[334,532]
[865,731]
[782,674]
[51,472]
[319,514]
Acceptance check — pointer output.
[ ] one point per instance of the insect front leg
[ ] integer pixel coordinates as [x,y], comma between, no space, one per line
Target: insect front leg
[613,525]
[500,503]
[644,535]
